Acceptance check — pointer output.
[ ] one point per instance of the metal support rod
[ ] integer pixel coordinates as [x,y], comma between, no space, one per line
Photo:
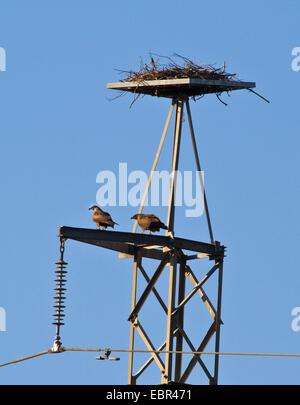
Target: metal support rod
[199,171]
[155,163]
[180,319]
[218,324]
[167,376]
[176,148]
[131,380]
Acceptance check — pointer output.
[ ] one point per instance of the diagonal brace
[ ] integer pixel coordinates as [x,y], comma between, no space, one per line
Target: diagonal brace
[197,356]
[201,348]
[150,286]
[201,292]
[150,346]
[153,289]
[196,288]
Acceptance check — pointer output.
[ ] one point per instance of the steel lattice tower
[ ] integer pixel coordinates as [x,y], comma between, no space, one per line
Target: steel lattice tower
[169,251]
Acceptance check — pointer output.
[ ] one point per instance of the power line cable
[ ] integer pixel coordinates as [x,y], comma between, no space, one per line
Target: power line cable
[80,349]
[26,358]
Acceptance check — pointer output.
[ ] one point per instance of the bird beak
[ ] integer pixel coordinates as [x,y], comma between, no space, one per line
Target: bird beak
[91,208]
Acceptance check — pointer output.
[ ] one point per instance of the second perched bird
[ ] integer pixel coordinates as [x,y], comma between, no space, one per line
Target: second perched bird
[149,222]
[102,219]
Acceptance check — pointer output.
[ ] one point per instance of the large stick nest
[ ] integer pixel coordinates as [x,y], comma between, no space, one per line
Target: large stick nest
[172,70]
[155,70]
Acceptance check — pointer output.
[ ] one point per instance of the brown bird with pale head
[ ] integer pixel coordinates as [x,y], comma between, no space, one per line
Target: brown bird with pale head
[102,219]
[149,222]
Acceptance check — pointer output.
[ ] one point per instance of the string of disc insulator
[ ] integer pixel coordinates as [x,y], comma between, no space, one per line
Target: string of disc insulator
[60,289]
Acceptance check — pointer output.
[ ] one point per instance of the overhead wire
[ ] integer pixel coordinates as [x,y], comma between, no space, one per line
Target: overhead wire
[182,352]
[26,358]
[79,349]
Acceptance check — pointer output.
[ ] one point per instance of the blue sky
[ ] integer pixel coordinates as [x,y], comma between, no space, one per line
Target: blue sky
[59,128]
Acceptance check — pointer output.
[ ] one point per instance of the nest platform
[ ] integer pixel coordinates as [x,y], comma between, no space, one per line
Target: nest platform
[173,88]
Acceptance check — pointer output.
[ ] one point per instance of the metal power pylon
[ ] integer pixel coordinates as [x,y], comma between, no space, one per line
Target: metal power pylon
[171,253]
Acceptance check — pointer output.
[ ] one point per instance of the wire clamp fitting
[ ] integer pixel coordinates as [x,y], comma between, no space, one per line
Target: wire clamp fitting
[107,353]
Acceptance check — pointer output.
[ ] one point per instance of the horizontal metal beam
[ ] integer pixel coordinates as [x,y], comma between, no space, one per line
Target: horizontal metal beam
[97,237]
[124,248]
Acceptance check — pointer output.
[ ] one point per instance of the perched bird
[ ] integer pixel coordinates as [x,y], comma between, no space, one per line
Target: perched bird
[102,219]
[149,222]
